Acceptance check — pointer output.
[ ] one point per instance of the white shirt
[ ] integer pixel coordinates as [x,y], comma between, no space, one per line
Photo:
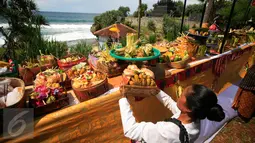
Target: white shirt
[161,132]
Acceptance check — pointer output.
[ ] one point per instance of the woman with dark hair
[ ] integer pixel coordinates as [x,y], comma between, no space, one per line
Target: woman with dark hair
[244,101]
[196,103]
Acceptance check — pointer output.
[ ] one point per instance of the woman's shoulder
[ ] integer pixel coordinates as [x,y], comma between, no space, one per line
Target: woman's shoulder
[171,130]
[168,129]
[192,128]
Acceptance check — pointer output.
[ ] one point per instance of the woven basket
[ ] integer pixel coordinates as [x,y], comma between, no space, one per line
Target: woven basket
[111,72]
[180,64]
[139,91]
[91,92]
[29,74]
[51,60]
[59,103]
[68,65]
[15,82]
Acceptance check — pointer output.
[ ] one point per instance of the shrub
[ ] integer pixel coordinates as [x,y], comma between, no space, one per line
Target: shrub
[152,38]
[151,25]
[135,14]
[23,25]
[81,48]
[125,10]
[171,28]
[144,8]
[129,24]
[123,41]
[106,19]
[58,49]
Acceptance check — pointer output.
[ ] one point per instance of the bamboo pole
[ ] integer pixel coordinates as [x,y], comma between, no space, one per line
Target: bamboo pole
[139,18]
[228,26]
[203,14]
[183,13]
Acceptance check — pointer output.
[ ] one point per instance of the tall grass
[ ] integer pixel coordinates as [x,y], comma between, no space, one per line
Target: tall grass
[151,25]
[58,49]
[81,48]
[33,44]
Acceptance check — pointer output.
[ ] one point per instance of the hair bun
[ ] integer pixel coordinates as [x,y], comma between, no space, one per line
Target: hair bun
[216,113]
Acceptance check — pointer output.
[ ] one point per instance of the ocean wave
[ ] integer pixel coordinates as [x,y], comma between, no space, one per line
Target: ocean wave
[1,41]
[62,32]
[69,21]
[77,35]
[5,25]
[58,26]
[67,26]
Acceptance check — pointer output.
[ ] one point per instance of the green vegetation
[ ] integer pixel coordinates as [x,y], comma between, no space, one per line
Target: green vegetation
[23,38]
[172,27]
[214,8]
[81,48]
[123,41]
[222,7]
[125,10]
[144,8]
[174,7]
[178,8]
[152,38]
[58,49]
[23,24]
[129,24]
[239,13]
[194,9]
[151,25]
[106,19]
[110,17]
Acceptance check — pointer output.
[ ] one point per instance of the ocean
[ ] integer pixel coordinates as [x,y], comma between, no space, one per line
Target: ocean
[64,26]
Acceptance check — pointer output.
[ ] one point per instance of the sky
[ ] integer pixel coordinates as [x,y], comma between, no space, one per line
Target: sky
[92,6]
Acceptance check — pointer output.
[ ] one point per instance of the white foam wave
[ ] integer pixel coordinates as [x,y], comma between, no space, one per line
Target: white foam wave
[63,32]
[67,26]
[77,35]
[1,41]
[58,26]
[5,25]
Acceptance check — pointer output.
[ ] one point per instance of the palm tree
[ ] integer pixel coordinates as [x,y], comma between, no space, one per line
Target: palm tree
[22,20]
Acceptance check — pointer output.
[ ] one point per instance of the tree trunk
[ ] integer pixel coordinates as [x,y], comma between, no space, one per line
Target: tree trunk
[208,11]
[139,18]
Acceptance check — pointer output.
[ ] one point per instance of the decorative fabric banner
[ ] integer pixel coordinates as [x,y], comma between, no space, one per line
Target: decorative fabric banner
[198,68]
[207,65]
[181,76]
[235,55]
[170,81]
[219,65]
